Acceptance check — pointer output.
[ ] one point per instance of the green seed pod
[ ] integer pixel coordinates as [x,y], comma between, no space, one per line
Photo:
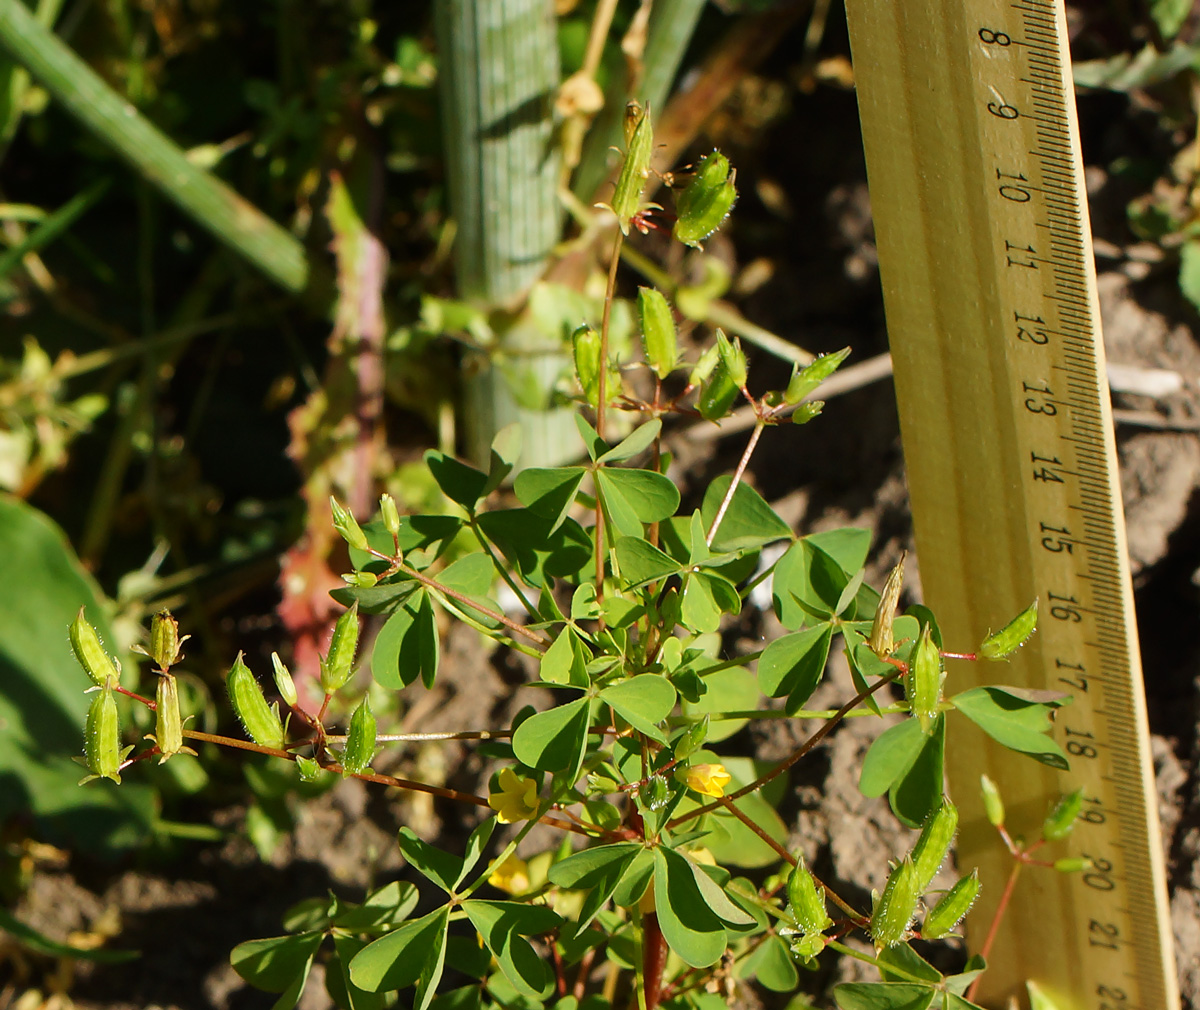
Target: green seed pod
[993,805]
[717,394]
[658,331]
[283,680]
[693,739]
[1061,820]
[807,411]
[882,642]
[948,912]
[360,741]
[807,900]
[165,641]
[102,739]
[261,721]
[309,769]
[733,357]
[390,514]
[923,682]
[706,201]
[585,342]
[1073,864]
[805,948]
[704,366]
[805,380]
[337,666]
[89,651]
[936,835]
[345,523]
[1012,636]
[168,725]
[639,142]
[894,909]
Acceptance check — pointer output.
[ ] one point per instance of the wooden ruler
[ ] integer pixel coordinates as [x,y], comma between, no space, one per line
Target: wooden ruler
[977,191]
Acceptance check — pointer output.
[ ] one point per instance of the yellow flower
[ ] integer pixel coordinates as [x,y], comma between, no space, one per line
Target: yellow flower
[512,875]
[709,779]
[516,799]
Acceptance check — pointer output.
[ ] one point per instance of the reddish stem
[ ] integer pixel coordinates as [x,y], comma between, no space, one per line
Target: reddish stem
[654,958]
[994,928]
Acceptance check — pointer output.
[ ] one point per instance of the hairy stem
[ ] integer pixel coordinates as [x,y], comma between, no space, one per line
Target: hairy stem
[737,478]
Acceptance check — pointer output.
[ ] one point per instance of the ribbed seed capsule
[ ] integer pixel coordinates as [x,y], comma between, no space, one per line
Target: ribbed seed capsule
[706,201]
[390,514]
[89,651]
[360,741]
[585,344]
[894,908]
[658,331]
[102,739]
[807,411]
[734,358]
[936,835]
[923,682]
[337,666]
[993,805]
[948,912]
[168,724]
[805,380]
[283,680]
[165,642]
[1073,864]
[717,394]
[1012,636]
[882,642]
[807,900]
[635,170]
[704,366]
[261,721]
[1061,820]
[345,523]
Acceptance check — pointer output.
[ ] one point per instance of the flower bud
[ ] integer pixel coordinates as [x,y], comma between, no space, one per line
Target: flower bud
[168,725]
[361,580]
[102,753]
[360,741]
[718,393]
[881,642]
[948,912]
[658,331]
[283,680]
[936,835]
[345,523]
[706,201]
[89,651]
[635,170]
[993,805]
[704,366]
[708,779]
[165,641]
[1012,636]
[390,514]
[894,909]
[807,411]
[337,666]
[923,682]
[733,357]
[807,900]
[1061,820]
[260,720]
[805,380]
[1073,864]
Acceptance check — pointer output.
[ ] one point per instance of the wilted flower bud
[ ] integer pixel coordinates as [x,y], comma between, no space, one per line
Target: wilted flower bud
[337,666]
[936,835]
[1012,636]
[948,912]
[261,721]
[345,523]
[360,741]
[89,651]
[894,908]
[881,642]
[635,170]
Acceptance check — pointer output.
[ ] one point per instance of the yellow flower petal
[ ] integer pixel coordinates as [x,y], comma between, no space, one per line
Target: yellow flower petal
[709,779]
[516,799]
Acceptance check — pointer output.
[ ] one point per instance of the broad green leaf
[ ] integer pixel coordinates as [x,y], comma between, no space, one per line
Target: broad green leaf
[732,690]
[594,444]
[472,575]
[503,926]
[748,522]
[554,740]
[915,795]
[444,868]
[640,562]
[707,877]
[925,616]
[476,843]
[396,654]
[1014,722]
[272,964]
[291,995]
[428,646]
[42,704]
[793,665]
[639,440]
[890,757]
[556,662]
[903,957]
[467,997]
[691,928]
[583,603]
[549,493]
[459,482]
[412,954]
[635,879]
[883,996]
[536,547]
[706,598]
[30,938]
[377,599]
[642,701]
[587,867]
[649,496]
[773,965]
[337,976]
[388,906]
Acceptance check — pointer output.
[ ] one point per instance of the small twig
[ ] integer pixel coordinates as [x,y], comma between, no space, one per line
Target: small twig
[994,928]
[737,479]
[462,598]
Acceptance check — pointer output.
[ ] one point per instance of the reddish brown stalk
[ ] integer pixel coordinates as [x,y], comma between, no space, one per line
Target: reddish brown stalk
[737,478]
[654,958]
[994,928]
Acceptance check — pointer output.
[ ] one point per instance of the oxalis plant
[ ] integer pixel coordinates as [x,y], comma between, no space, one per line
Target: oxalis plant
[645,900]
